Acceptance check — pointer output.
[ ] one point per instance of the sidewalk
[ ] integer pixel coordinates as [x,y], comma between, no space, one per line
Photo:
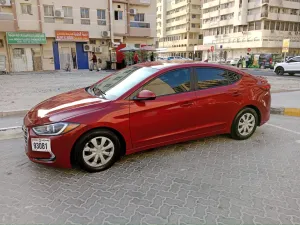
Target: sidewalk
[287,103]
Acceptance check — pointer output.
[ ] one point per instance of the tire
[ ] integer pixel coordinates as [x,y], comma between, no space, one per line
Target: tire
[236,129]
[291,74]
[85,147]
[279,71]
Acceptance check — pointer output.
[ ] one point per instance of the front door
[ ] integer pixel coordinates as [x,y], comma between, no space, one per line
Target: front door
[219,96]
[170,116]
[82,56]
[20,59]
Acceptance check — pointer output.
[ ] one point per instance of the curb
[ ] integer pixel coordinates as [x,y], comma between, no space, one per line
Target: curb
[286,111]
[11,132]
[21,112]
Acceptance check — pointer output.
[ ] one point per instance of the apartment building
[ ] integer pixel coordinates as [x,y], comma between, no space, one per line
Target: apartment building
[179,27]
[51,34]
[235,27]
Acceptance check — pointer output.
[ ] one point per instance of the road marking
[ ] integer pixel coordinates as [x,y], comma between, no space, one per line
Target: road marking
[282,128]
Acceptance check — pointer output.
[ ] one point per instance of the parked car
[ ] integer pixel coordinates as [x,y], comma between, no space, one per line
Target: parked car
[144,106]
[234,62]
[177,57]
[268,60]
[291,66]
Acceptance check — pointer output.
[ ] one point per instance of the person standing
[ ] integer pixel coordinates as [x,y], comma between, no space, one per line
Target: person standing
[135,58]
[247,59]
[74,60]
[94,62]
[152,57]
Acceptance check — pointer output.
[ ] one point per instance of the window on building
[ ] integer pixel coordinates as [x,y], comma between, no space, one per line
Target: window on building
[277,25]
[26,9]
[272,25]
[213,77]
[48,10]
[139,17]
[295,27]
[251,26]
[85,13]
[85,16]
[258,25]
[282,26]
[286,26]
[68,14]
[118,15]
[68,11]
[101,16]
[173,82]
[267,25]
[193,25]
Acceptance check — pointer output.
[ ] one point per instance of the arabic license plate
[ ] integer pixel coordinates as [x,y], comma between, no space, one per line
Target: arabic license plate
[40,145]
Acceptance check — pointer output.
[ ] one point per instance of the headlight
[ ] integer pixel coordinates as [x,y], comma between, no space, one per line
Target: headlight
[55,128]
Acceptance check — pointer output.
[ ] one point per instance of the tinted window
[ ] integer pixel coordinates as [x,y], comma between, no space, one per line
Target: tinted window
[211,77]
[176,81]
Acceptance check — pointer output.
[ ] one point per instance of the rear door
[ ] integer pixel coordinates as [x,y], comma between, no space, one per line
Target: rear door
[219,96]
[293,65]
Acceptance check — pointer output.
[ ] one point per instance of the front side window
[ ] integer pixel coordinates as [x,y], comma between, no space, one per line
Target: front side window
[26,9]
[213,77]
[295,59]
[172,82]
[120,82]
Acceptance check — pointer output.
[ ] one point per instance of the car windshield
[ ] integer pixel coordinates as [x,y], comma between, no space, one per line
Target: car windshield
[120,82]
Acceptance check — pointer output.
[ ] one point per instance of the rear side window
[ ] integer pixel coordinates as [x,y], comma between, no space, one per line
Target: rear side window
[214,77]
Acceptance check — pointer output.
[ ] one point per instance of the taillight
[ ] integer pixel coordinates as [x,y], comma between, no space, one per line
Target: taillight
[265,87]
[263,83]
[271,61]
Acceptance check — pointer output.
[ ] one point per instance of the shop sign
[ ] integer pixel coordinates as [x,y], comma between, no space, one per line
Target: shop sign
[285,45]
[79,36]
[25,38]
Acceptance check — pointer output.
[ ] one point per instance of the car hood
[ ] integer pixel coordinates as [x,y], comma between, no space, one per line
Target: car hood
[64,106]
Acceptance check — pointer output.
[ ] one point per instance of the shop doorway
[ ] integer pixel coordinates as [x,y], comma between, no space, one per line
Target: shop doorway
[65,58]
[82,56]
[22,59]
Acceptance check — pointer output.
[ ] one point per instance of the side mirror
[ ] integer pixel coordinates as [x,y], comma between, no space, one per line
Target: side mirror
[145,95]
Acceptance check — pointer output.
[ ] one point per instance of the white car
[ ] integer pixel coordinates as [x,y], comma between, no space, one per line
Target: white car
[234,62]
[291,66]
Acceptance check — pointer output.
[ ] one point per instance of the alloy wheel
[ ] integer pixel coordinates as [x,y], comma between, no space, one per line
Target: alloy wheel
[246,124]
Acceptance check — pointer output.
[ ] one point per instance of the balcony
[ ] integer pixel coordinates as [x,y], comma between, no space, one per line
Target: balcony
[283,17]
[225,1]
[226,11]
[210,4]
[286,4]
[178,31]
[140,29]
[210,14]
[176,14]
[6,22]
[254,17]
[226,22]
[140,2]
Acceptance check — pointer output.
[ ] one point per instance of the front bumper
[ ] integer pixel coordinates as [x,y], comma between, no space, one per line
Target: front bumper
[61,148]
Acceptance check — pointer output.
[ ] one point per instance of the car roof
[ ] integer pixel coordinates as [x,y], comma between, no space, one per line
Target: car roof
[165,65]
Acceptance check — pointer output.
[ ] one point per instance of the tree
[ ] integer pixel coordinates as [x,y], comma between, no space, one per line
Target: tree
[128,57]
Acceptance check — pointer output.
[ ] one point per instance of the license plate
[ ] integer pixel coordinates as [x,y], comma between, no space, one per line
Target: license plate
[40,145]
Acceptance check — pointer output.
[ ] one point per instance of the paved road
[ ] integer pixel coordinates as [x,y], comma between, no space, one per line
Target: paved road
[209,181]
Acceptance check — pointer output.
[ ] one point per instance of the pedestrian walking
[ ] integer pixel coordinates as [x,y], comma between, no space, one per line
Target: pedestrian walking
[247,59]
[94,62]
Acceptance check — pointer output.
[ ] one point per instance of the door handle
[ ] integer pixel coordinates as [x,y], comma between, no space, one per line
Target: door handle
[187,104]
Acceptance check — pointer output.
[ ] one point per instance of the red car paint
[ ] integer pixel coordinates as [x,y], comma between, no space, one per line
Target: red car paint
[147,124]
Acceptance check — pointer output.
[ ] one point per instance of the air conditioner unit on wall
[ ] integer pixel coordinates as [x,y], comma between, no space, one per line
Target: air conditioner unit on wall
[98,49]
[5,3]
[132,11]
[105,33]
[88,48]
[59,13]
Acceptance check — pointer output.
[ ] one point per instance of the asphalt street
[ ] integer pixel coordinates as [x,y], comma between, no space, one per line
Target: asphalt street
[214,180]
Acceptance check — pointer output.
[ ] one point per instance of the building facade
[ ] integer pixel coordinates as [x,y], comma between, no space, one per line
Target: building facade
[234,27]
[179,27]
[54,34]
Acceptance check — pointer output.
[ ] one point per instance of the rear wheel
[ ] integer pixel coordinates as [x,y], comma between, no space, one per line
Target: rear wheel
[97,150]
[244,124]
[279,71]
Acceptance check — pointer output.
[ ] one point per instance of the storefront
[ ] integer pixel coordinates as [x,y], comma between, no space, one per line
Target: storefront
[68,49]
[25,50]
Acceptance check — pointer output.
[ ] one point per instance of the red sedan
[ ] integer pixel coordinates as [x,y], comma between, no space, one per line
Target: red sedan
[141,107]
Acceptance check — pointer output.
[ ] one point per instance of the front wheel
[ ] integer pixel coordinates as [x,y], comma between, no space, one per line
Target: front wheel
[244,124]
[97,150]
[279,71]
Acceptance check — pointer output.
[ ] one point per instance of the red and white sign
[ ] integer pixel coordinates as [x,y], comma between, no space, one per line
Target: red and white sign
[249,49]
[80,36]
[212,48]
